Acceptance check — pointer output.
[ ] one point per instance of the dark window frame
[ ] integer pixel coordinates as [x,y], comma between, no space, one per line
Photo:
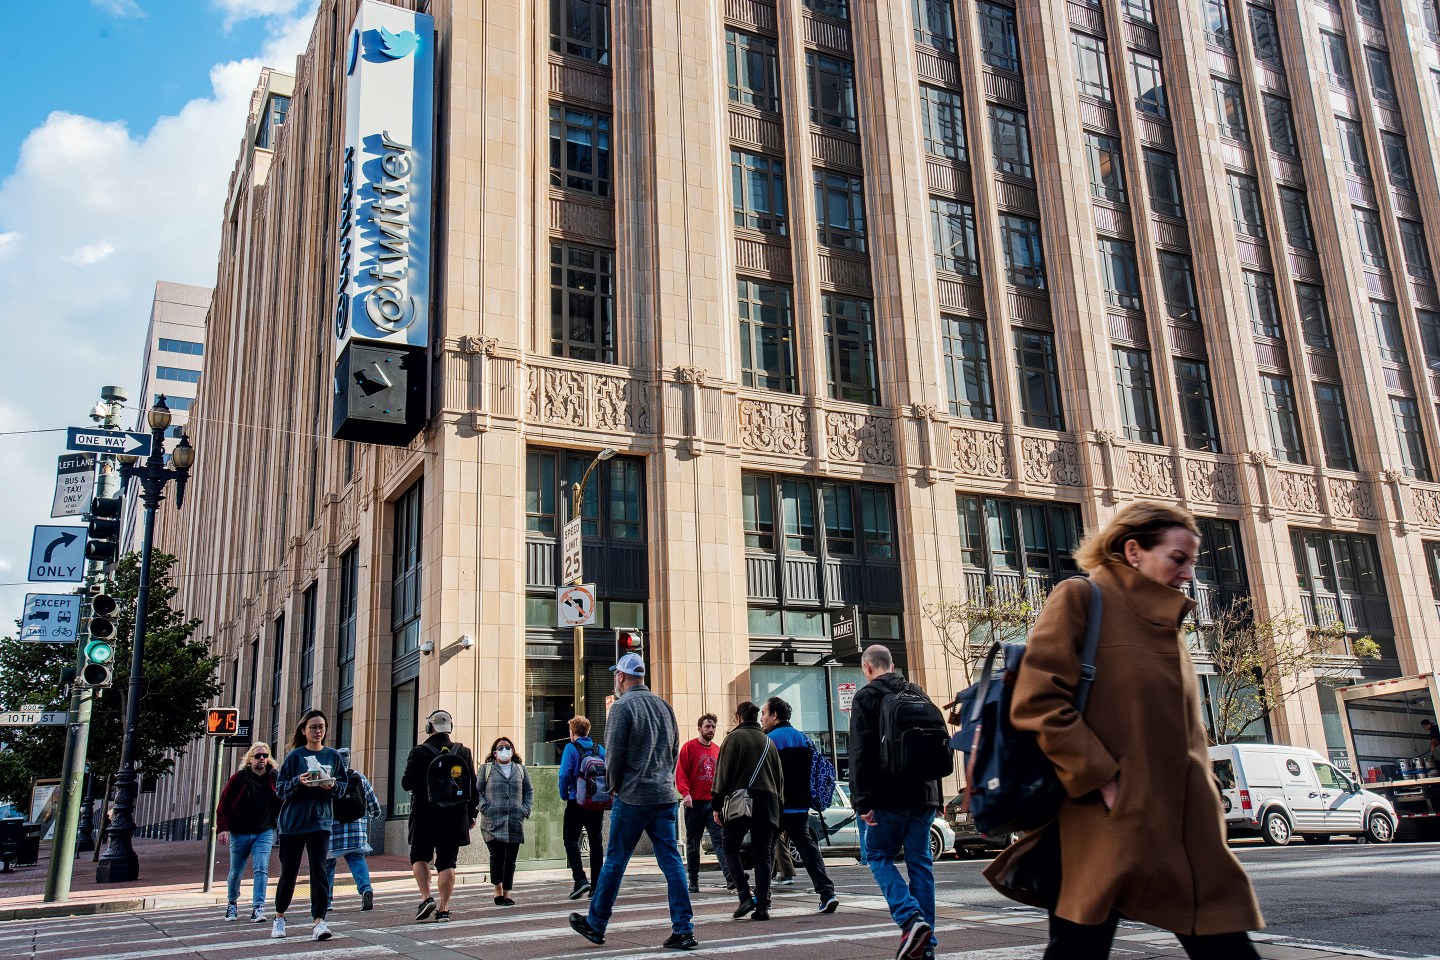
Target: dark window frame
[968,376]
[568,292]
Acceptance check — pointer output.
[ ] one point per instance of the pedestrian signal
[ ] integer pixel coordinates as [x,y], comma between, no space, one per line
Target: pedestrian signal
[222,721]
[629,641]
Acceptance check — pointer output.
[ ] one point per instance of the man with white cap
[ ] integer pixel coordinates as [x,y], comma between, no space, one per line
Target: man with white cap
[642,743]
[440,775]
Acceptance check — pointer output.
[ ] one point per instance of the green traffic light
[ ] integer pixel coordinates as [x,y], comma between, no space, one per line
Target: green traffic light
[99,651]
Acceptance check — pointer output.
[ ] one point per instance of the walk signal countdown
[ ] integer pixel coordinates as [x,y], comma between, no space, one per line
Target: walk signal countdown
[222,721]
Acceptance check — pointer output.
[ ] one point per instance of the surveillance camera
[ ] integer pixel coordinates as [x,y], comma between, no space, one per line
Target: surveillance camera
[99,412]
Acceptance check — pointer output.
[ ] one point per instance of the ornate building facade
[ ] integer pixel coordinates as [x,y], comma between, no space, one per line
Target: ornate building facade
[879,303]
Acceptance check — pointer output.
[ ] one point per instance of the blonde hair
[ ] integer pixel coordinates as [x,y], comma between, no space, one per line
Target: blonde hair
[1143,521]
[250,754]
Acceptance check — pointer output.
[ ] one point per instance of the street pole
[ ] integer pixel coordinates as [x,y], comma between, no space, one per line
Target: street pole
[214,814]
[577,502]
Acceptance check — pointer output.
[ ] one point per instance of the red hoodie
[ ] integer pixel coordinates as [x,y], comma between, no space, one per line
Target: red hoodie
[695,771]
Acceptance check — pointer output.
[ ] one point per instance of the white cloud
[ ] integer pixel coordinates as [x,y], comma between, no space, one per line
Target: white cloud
[91,216]
[237,10]
[119,8]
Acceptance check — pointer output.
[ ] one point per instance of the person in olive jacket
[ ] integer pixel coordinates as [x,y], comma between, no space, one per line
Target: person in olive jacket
[245,818]
[747,752]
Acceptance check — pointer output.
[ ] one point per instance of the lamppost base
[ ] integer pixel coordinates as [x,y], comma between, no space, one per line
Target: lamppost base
[119,870]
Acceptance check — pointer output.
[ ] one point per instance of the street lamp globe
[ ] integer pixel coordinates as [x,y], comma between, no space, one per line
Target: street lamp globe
[183,456]
[606,454]
[159,415]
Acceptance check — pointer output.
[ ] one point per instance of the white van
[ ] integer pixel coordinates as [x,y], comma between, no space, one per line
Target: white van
[1281,792]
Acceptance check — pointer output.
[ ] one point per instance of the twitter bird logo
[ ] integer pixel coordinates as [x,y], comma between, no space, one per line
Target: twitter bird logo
[398,45]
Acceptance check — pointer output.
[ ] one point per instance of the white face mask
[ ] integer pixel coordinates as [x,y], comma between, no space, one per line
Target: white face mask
[504,754]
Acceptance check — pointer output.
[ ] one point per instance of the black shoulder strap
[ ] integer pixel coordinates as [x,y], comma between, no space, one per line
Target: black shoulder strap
[1092,645]
[983,684]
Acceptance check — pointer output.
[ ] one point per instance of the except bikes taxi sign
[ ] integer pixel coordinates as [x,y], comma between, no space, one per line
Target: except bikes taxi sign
[50,617]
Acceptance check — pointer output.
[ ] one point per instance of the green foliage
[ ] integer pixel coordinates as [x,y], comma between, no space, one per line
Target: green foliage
[179,680]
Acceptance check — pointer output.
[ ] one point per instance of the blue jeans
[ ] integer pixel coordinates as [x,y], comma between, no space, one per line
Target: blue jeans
[907,830]
[627,822]
[359,869]
[249,846]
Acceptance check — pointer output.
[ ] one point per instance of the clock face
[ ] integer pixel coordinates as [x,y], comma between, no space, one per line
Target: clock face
[354,53]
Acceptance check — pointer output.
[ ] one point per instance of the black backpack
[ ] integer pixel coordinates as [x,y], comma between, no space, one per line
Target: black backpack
[349,806]
[1010,785]
[449,781]
[914,743]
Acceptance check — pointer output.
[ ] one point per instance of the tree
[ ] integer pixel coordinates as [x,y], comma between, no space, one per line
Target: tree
[1262,663]
[179,680]
[968,628]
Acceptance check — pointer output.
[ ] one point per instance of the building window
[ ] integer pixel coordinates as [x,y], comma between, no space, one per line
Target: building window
[1024,254]
[1429,322]
[999,39]
[1038,378]
[1372,239]
[967,368]
[1177,281]
[1370,9]
[349,617]
[612,510]
[1397,160]
[182,346]
[1314,316]
[752,69]
[1135,391]
[1217,24]
[277,676]
[579,150]
[943,117]
[767,342]
[1107,170]
[1417,255]
[850,349]
[953,225]
[1092,70]
[1230,104]
[840,211]
[1122,277]
[404,731]
[1337,60]
[407,562]
[1197,405]
[839,9]
[1011,543]
[307,646]
[1387,331]
[1138,10]
[1149,85]
[176,404]
[1265,36]
[1295,211]
[832,92]
[1341,572]
[757,192]
[180,374]
[1352,148]
[581,28]
[1382,79]
[1162,172]
[582,302]
[1010,139]
[540,509]
[1264,305]
[1283,419]
[1411,436]
[834,521]
[1334,427]
[1245,199]
[1280,125]
[934,24]
[1430,16]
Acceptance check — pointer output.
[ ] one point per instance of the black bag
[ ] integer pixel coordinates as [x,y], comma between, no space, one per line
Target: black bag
[914,744]
[1010,785]
[349,805]
[449,781]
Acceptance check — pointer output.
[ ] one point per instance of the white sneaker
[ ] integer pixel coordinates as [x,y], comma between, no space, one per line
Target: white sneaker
[257,915]
[321,931]
[277,931]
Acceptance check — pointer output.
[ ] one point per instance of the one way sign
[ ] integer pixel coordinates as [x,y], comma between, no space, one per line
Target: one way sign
[57,555]
[107,441]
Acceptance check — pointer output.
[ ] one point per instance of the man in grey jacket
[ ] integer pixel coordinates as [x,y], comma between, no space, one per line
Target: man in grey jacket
[642,742]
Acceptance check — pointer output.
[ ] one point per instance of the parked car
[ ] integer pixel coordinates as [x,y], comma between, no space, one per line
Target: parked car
[1282,792]
[969,840]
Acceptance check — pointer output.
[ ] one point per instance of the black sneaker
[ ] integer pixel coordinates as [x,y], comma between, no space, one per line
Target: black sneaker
[443,916]
[367,900]
[582,926]
[681,941]
[746,906]
[505,901]
[761,913]
[694,888]
[729,884]
[828,904]
[929,954]
[427,907]
[580,890]
[914,941]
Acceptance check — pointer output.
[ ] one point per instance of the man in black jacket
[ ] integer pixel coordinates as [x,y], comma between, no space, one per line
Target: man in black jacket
[437,832]
[895,813]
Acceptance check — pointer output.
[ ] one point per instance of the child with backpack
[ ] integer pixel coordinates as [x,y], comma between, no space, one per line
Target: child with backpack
[440,775]
[350,836]
[583,788]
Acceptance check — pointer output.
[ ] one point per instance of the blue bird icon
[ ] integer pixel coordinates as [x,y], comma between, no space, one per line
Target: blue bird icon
[398,45]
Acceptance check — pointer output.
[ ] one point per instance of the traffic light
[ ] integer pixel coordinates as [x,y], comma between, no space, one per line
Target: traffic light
[96,670]
[103,530]
[628,641]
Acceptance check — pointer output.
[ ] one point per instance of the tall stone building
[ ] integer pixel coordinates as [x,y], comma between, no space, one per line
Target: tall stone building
[879,303]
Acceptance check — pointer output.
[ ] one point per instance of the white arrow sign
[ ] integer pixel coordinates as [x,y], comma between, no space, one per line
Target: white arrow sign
[74,485]
[57,555]
[107,441]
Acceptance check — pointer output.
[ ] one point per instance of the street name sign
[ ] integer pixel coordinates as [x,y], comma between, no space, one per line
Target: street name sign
[570,565]
[107,441]
[57,555]
[21,718]
[74,485]
[50,617]
[575,605]
[845,632]
[241,736]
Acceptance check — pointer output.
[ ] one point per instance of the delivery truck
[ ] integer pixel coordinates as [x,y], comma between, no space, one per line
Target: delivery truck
[1390,750]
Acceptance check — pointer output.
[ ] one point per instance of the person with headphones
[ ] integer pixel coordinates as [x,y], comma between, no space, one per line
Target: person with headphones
[440,775]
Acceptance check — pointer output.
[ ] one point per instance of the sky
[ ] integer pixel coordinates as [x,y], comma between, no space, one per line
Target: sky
[116,146]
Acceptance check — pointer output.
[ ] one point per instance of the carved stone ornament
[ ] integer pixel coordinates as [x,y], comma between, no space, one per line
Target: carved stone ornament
[1054,462]
[924,411]
[774,428]
[980,453]
[1297,492]
[621,404]
[1152,474]
[574,398]
[1351,499]
[1263,457]
[696,375]
[1107,438]
[1211,482]
[1427,505]
[859,439]
[1392,476]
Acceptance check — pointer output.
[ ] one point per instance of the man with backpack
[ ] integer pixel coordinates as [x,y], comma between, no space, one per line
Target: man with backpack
[799,758]
[440,775]
[582,787]
[899,751]
[695,779]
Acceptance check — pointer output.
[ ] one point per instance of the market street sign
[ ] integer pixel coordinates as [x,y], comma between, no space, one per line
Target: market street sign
[50,617]
[845,633]
[74,485]
[57,555]
[107,441]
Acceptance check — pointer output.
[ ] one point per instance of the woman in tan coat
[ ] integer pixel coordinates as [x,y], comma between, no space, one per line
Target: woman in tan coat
[1140,834]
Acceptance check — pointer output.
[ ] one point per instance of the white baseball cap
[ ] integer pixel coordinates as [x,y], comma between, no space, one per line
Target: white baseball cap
[630,664]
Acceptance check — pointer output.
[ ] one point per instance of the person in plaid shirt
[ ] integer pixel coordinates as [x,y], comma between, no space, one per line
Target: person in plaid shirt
[351,841]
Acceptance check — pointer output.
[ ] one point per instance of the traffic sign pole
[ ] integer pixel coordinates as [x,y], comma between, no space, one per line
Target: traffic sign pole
[212,833]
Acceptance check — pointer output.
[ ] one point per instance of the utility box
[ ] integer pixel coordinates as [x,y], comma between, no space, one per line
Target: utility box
[379,393]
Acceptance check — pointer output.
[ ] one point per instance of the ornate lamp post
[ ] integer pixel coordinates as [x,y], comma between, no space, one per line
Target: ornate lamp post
[577,501]
[118,863]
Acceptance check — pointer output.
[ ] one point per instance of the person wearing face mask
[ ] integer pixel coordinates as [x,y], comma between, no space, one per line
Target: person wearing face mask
[1140,834]
[506,798]
[246,819]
